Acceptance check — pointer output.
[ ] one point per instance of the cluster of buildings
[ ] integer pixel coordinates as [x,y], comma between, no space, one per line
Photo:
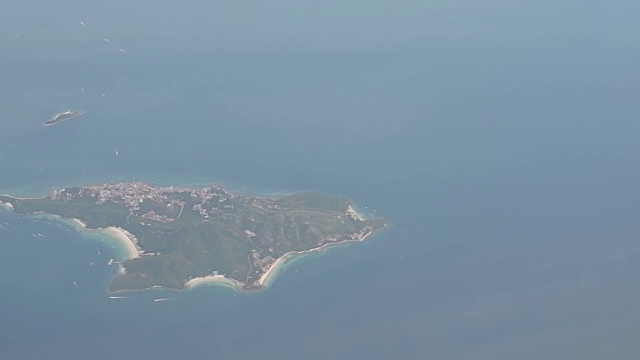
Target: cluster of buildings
[130,195]
[133,194]
[151,214]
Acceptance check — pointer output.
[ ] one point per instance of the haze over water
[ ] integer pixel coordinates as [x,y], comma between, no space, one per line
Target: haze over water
[500,138]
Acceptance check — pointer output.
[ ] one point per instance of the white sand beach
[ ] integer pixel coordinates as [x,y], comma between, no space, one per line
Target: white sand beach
[132,249]
[275,267]
[351,210]
[116,233]
[211,280]
[81,223]
[113,232]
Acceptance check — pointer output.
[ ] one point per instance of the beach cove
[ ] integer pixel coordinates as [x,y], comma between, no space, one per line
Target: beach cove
[126,248]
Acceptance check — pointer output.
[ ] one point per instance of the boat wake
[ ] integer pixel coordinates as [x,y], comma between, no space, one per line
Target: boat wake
[164,299]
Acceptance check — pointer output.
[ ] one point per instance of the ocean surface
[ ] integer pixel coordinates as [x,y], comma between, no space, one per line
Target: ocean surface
[501,140]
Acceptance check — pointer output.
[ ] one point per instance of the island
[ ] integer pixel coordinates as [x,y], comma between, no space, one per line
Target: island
[181,236]
[63,116]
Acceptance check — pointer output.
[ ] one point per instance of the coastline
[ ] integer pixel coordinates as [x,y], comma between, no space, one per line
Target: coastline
[54,119]
[192,284]
[359,216]
[276,266]
[132,251]
[117,233]
[112,232]
[211,280]
[7,206]
[80,222]
[221,280]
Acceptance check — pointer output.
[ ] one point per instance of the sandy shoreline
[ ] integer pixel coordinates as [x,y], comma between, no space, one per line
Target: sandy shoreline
[132,249]
[113,232]
[356,213]
[221,280]
[211,280]
[81,223]
[291,254]
[116,233]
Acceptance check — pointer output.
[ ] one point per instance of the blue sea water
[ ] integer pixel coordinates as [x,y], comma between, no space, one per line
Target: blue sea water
[501,141]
